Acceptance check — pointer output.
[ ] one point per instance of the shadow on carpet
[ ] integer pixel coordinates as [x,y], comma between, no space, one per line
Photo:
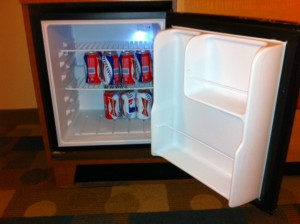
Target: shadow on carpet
[233,216]
[29,143]
[241,215]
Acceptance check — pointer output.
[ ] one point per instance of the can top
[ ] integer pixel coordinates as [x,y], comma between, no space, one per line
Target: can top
[92,52]
[144,91]
[110,53]
[126,52]
[142,51]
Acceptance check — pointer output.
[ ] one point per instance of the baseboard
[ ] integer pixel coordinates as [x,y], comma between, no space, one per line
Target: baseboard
[19,117]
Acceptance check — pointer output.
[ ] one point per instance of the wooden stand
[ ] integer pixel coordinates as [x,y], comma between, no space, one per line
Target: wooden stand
[65,164]
[64,175]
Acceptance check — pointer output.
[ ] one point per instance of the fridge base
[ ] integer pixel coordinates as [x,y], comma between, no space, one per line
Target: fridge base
[90,127]
[65,165]
[93,174]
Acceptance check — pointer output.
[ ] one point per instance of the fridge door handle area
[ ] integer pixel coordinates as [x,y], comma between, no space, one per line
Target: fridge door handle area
[258,124]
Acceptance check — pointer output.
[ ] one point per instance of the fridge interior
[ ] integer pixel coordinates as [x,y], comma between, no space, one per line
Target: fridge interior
[78,107]
[218,111]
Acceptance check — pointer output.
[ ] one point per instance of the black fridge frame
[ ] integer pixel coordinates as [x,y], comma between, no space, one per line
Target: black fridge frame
[288,89]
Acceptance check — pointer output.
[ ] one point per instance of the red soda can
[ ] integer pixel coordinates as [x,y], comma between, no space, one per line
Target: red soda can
[127,67]
[92,67]
[144,102]
[112,104]
[144,66]
[111,68]
[128,107]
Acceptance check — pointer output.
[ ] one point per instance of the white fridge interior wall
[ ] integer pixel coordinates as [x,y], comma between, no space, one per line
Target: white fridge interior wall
[79,107]
[215,98]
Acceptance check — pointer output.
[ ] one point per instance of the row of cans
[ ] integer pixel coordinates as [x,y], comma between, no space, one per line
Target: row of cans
[128,104]
[111,69]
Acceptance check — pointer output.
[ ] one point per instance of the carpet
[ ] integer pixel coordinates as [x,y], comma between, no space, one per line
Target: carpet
[28,194]
[219,216]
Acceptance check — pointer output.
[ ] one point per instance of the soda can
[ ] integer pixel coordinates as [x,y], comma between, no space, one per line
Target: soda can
[111,68]
[144,66]
[128,107]
[144,102]
[92,67]
[112,105]
[127,67]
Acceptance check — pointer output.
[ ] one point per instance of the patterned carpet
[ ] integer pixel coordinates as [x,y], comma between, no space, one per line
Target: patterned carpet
[28,194]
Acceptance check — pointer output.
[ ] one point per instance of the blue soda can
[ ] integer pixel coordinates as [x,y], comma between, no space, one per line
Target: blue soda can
[144,66]
[111,68]
[128,107]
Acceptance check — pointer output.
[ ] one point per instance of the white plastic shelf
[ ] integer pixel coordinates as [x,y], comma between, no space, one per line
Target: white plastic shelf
[90,127]
[92,122]
[107,46]
[80,84]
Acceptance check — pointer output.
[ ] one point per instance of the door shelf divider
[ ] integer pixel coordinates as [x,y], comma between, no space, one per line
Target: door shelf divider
[220,97]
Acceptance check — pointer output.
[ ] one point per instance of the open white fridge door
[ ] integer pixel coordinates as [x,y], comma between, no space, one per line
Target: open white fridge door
[214,101]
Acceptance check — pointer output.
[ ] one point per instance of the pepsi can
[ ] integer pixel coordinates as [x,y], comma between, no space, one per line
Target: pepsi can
[128,107]
[144,66]
[111,68]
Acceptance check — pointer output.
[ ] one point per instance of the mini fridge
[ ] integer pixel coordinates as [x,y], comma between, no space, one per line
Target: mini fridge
[224,92]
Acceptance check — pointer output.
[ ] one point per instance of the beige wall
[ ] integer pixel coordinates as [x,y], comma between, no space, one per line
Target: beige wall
[16,86]
[285,10]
